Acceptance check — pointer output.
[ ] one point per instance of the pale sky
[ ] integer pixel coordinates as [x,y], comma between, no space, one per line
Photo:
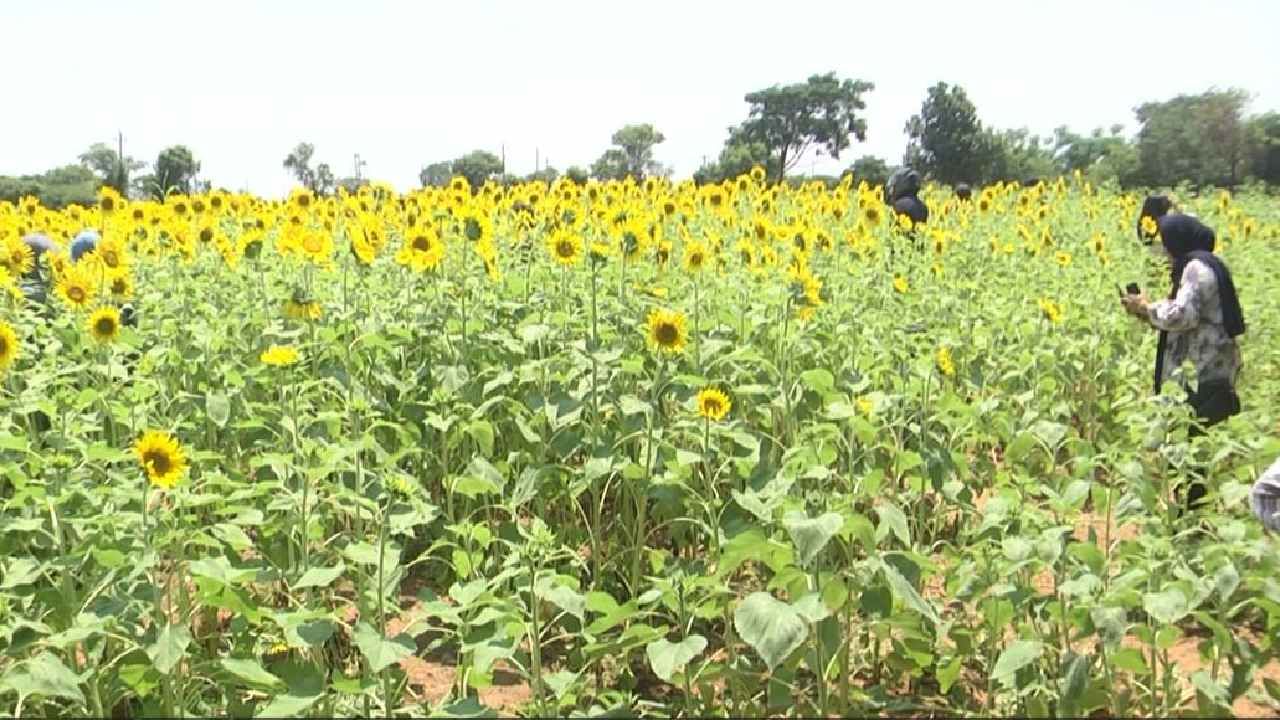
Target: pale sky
[403,84]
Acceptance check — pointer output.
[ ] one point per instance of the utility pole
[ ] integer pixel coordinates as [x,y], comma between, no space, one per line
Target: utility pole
[359,165]
[537,160]
[504,158]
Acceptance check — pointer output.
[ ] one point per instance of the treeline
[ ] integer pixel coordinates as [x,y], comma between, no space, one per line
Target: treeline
[1205,139]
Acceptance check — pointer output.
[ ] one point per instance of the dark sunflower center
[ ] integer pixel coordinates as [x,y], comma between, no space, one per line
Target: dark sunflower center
[564,249]
[304,200]
[206,235]
[180,209]
[712,405]
[421,243]
[138,215]
[111,259]
[108,204]
[696,259]
[157,460]
[117,286]
[667,334]
[76,294]
[105,326]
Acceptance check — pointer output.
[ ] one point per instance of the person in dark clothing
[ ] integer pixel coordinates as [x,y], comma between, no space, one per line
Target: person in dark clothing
[903,194]
[1200,322]
[964,192]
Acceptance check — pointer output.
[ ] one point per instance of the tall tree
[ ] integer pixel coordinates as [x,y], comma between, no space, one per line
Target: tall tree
[298,162]
[1198,138]
[1017,155]
[175,170]
[632,153]
[106,163]
[946,139]
[789,119]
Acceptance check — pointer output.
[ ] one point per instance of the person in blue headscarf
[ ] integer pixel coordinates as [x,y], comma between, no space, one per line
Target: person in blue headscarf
[86,242]
[903,193]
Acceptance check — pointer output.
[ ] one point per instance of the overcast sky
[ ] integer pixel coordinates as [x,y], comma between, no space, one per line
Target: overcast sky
[405,83]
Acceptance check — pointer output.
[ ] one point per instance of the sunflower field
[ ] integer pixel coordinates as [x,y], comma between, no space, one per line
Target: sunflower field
[631,448]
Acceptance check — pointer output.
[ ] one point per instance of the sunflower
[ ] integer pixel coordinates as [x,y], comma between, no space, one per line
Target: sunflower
[76,287]
[161,458]
[1149,226]
[422,249]
[713,404]
[872,214]
[1051,310]
[279,356]
[111,253]
[8,345]
[667,330]
[946,365]
[109,200]
[19,258]
[695,256]
[304,310]
[900,284]
[866,405]
[1064,259]
[104,324]
[565,248]
[122,287]
[317,246]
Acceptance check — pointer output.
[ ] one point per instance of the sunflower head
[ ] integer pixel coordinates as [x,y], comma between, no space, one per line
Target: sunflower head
[565,248]
[8,345]
[713,404]
[279,356]
[946,365]
[76,287]
[104,324]
[666,331]
[900,285]
[161,457]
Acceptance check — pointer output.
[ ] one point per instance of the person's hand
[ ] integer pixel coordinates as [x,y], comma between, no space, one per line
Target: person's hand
[1136,305]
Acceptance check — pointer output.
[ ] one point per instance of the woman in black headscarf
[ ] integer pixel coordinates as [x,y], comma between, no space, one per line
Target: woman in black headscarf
[904,196]
[1200,321]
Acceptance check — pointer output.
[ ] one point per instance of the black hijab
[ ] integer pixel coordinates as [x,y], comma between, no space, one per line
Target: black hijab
[1187,239]
[1154,207]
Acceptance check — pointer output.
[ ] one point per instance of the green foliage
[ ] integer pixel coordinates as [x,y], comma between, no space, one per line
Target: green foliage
[822,112]
[1201,139]
[946,140]
[57,188]
[110,168]
[477,166]
[436,174]
[632,154]
[173,171]
[875,171]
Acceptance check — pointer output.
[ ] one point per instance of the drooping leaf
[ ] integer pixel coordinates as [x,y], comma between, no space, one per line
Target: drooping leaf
[1018,654]
[811,535]
[381,652]
[169,648]
[771,627]
[668,658]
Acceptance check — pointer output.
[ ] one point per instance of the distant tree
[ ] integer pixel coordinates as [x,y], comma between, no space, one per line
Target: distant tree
[632,154]
[788,120]
[436,174]
[547,174]
[738,156]
[477,167]
[1198,138]
[1264,134]
[325,183]
[56,188]
[298,162]
[870,168]
[576,174]
[1017,155]
[612,165]
[946,141]
[174,171]
[105,162]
